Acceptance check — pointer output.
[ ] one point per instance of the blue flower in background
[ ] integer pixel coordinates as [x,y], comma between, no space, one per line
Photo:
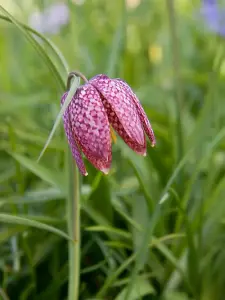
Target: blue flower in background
[51,19]
[214,16]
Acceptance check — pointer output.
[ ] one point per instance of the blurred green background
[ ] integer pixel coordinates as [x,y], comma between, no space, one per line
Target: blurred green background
[154,228]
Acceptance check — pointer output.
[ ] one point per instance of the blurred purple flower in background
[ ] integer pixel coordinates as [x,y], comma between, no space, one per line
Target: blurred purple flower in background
[51,19]
[214,16]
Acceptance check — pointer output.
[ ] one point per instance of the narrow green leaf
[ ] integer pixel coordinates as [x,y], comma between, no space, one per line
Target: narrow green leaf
[49,43]
[113,277]
[100,198]
[42,172]
[11,219]
[69,97]
[93,268]
[140,289]
[27,291]
[143,249]
[37,47]
[146,194]
[95,215]
[128,218]
[117,244]
[119,232]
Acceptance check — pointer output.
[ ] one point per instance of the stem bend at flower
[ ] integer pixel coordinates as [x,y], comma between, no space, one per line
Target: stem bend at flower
[72,75]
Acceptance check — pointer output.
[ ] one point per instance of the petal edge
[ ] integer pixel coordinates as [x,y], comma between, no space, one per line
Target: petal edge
[144,119]
[73,145]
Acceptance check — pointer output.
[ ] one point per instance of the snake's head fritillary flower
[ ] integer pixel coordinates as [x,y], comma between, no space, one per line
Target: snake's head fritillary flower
[98,105]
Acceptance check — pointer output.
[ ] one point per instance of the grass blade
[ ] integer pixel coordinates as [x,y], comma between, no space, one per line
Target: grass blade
[11,219]
[37,47]
[41,171]
[59,117]
[50,44]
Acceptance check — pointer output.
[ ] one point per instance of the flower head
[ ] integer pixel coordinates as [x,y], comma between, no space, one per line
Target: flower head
[100,103]
[214,16]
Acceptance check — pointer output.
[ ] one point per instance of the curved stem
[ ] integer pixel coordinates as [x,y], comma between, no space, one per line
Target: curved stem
[72,74]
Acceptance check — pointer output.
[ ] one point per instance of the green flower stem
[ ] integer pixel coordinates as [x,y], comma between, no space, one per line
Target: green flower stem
[73,214]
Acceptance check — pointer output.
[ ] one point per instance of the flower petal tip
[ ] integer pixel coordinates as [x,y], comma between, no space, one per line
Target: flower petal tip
[153,145]
[86,174]
[144,154]
[105,171]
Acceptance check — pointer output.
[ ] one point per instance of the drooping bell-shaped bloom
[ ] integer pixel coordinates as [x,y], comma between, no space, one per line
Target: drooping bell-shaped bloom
[98,104]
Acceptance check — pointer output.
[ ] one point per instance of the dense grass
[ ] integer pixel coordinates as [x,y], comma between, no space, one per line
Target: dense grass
[154,227]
